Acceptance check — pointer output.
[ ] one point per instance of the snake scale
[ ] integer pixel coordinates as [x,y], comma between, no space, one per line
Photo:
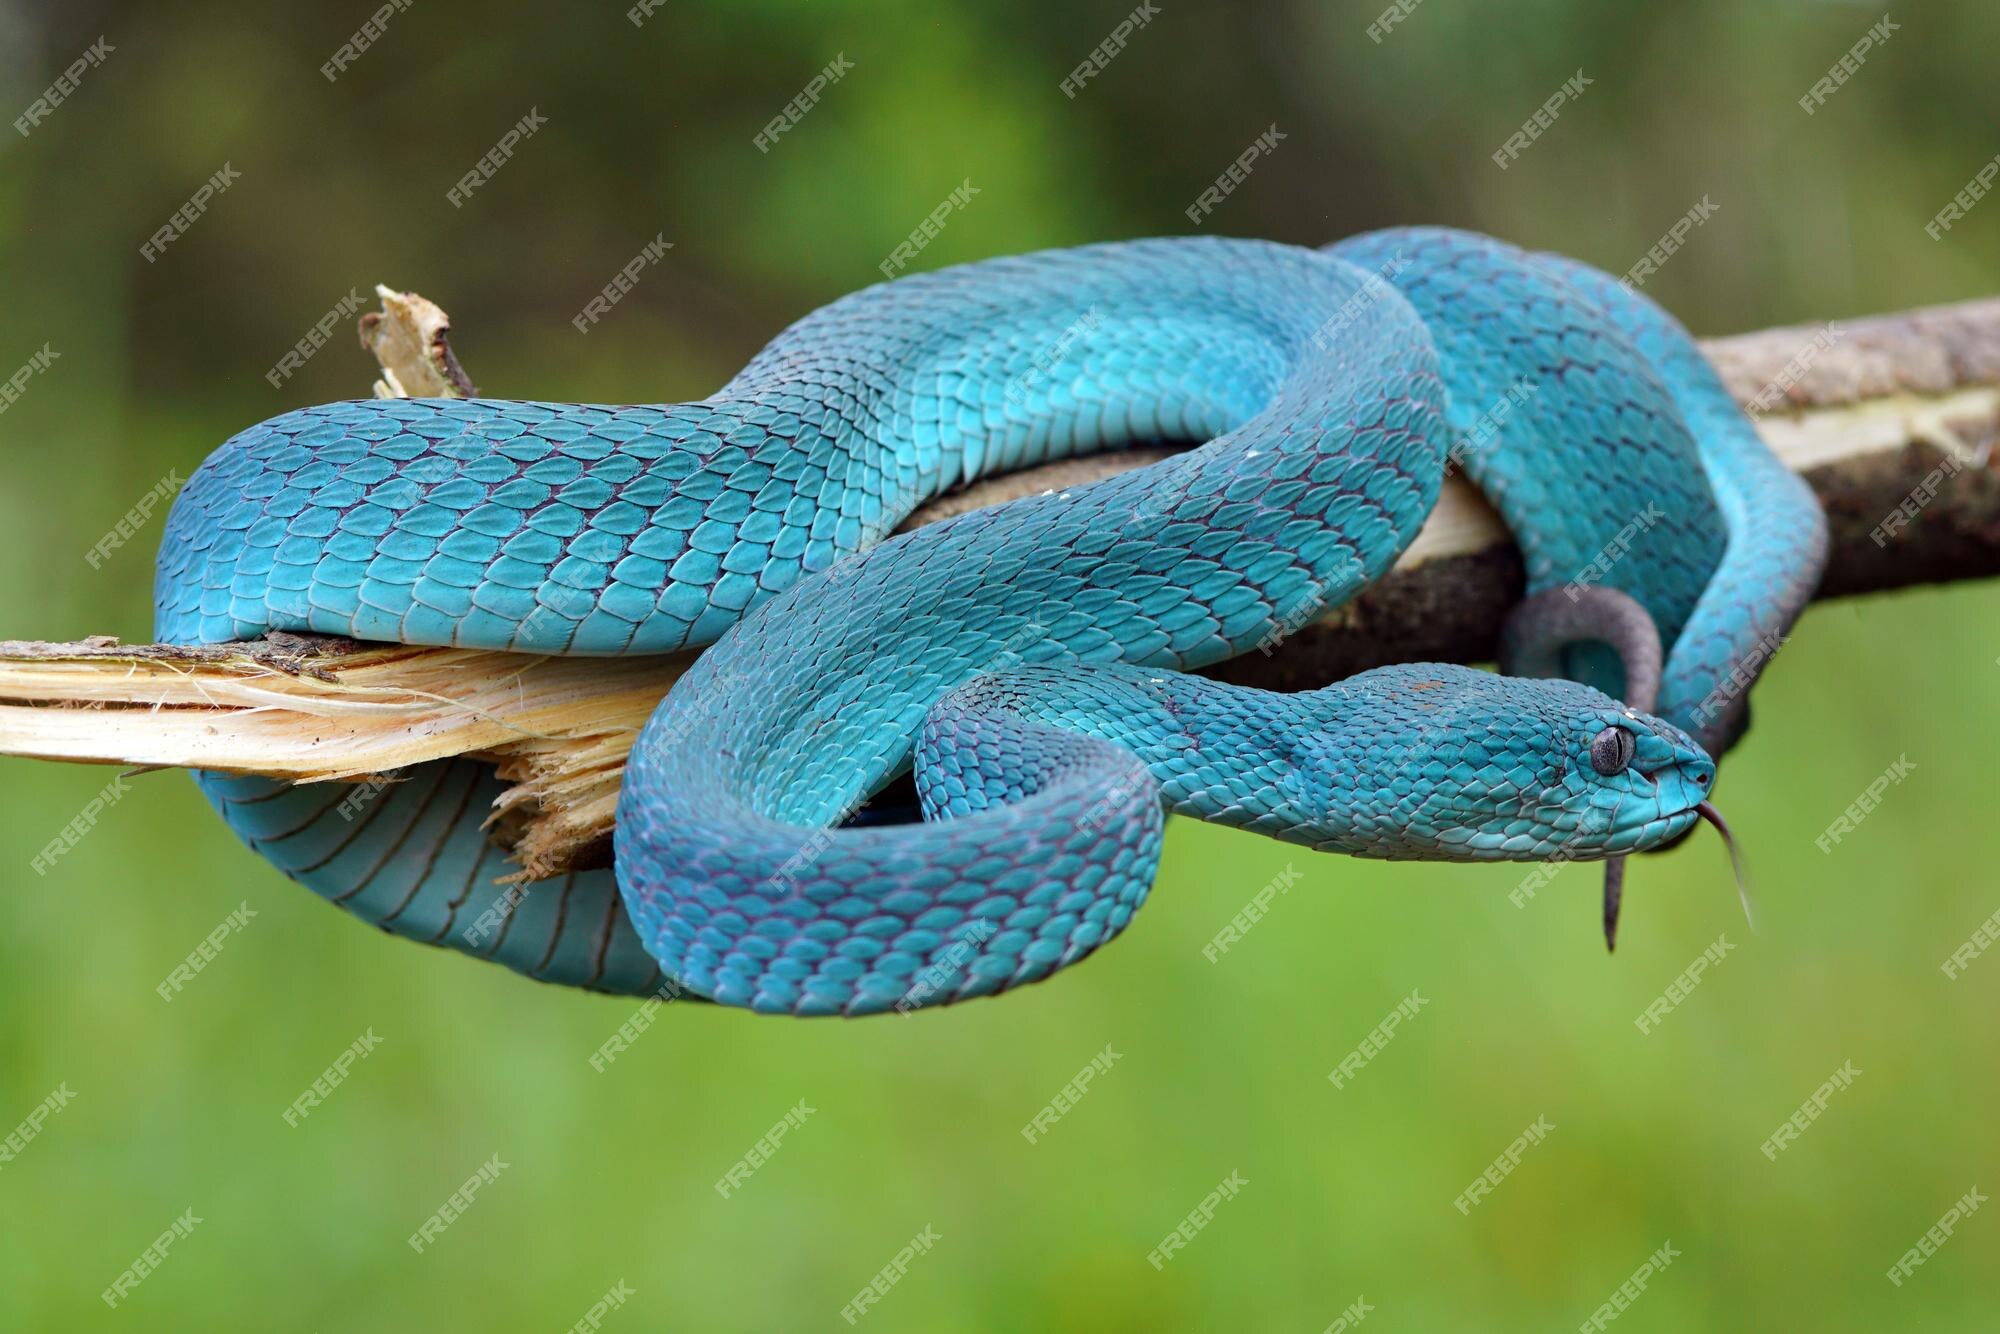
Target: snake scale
[1029,660]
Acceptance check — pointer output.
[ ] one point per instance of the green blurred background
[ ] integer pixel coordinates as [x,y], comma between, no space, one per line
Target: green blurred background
[1222,1066]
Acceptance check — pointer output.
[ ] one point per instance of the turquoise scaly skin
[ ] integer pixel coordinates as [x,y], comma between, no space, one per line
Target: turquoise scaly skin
[1027,657]
[1777,544]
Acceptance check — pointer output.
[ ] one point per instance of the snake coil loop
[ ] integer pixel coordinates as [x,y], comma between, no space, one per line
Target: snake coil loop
[1028,660]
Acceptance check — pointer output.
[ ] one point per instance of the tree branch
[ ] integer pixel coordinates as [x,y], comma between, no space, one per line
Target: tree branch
[1892,420]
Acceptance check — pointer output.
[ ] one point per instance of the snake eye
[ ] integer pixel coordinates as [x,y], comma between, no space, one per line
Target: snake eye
[1611,750]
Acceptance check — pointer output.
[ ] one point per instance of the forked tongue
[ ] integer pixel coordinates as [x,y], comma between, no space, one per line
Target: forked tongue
[1737,866]
[1614,897]
[1614,878]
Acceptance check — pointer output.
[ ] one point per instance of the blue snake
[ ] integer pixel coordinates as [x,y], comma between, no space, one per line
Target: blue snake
[1027,663]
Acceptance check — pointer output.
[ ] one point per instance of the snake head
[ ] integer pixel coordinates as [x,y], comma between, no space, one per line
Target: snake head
[1640,783]
[1446,763]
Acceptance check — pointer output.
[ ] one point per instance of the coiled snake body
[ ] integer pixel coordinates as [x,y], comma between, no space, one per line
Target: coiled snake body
[1027,658]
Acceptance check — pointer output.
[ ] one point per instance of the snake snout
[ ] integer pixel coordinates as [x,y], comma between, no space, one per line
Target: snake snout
[1684,782]
[1682,775]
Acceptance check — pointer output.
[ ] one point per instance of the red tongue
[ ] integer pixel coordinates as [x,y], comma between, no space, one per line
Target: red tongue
[1614,878]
